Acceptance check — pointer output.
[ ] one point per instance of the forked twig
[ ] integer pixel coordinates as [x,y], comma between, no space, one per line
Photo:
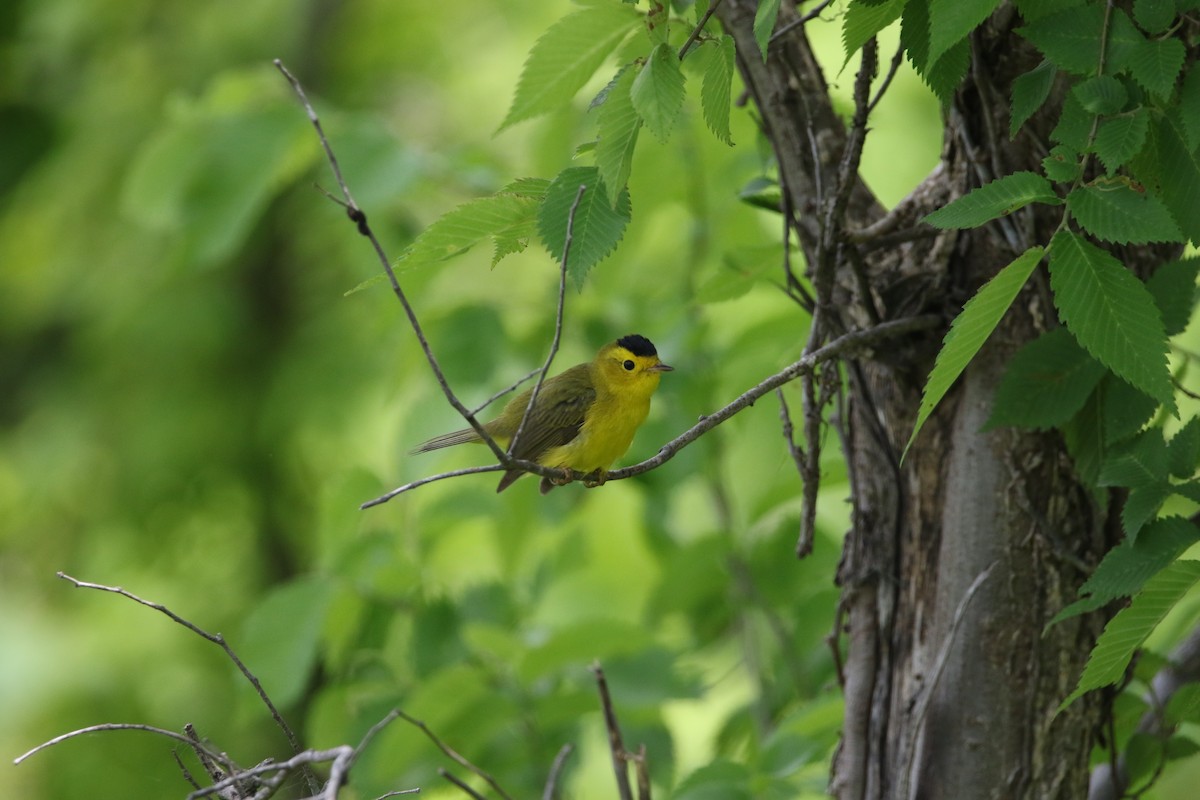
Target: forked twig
[218,640]
[452,754]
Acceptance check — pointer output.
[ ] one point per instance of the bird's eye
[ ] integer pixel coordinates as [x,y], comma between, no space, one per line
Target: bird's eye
[628,365]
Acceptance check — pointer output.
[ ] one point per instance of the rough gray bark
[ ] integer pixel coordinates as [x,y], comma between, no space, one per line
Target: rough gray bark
[958,558]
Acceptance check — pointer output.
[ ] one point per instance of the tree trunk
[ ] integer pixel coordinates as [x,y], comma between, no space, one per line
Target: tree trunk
[957,558]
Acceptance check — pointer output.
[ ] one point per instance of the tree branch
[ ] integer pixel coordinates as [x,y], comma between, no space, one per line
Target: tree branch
[615,745]
[452,755]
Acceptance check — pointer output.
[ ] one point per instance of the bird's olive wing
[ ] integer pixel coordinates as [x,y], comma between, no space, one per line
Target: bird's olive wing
[554,423]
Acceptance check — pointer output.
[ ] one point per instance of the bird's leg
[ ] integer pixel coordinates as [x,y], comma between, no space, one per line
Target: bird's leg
[595,479]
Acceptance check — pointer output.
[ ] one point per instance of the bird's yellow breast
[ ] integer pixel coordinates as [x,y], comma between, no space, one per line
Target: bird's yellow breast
[607,432]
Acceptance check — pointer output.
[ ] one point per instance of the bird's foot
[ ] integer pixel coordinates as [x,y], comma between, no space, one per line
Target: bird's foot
[595,479]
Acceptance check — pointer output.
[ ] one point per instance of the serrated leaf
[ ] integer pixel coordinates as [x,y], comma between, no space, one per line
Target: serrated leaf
[945,74]
[617,127]
[1155,64]
[1071,38]
[1046,383]
[862,21]
[1084,435]
[1155,16]
[1111,314]
[764,24]
[715,89]
[1183,451]
[597,227]
[1141,505]
[1127,567]
[534,188]
[657,91]
[1063,164]
[1101,94]
[1119,138]
[566,57]
[1189,107]
[995,199]
[1124,42]
[1184,705]
[1029,92]
[970,330]
[459,230]
[1036,9]
[951,21]
[1140,462]
[1188,489]
[1117,213]
[1173,287]
[1180,167]
[1126,410]
[1128,629]
[1074,126]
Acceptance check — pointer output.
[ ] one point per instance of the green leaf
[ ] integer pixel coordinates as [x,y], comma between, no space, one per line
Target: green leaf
[1101,94]
[1063,164]
[566,57]
[1189,107]
[1029,92]
[720,780]
[1111,314]
[617,127]
[1141,505]
[951,21]
[1128,629]
[1046,383]
[282,634]
[1183,451]
[1126,410]
[862,21]
[1117,213]
[1124,42]
[1036,9]
[1155,16]
[1119,138]
[971,329]
[1155,64]
[715,89]
[1180,166]
[1184,705]
[1139,462]
[1074,126]
[1127,567]
[598,226]
[505,216]
[657,91]
[739,271]
[1070,38]
[1173,286]
[995,199]
[764,24]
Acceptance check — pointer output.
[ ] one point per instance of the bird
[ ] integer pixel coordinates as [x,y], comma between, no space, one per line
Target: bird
[584,418]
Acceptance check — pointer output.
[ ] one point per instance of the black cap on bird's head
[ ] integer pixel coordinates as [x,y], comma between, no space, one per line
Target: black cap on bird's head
[638,345]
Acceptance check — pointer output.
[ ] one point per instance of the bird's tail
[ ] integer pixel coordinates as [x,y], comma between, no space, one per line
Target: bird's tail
[447,440]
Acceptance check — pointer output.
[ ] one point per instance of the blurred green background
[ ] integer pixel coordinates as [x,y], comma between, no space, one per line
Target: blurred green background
[192,406]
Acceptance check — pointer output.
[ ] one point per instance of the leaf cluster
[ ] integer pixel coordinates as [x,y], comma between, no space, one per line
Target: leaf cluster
[1123,170]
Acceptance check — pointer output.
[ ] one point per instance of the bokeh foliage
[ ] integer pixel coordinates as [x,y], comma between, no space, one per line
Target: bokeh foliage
[192,406]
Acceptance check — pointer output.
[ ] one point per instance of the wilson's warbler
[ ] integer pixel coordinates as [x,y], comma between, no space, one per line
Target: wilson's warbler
[584,418]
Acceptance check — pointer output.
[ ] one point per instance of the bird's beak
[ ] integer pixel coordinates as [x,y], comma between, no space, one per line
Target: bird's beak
[660,367]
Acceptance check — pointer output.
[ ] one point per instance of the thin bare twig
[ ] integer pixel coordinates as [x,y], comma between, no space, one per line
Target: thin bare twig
[691,40]
[451,753]
[843,345]
[502,392]
[642,769]
[558,318]
[551,790]
[118,726]
[218,640]
[461,784]
[811,15]
[615,745]
[359,217]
